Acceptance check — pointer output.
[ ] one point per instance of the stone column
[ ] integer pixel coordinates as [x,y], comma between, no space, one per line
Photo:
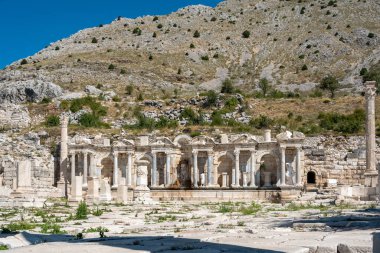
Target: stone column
[195,168]
[92,165]
[62,177]
[224,179]
[129,169]
[167,170]
[115,170]
[72,167]
[370,172]
[154,169]
[233,177]
[253,169]
[298,166]
[237,167]
[85,169]
[282,182]
[209,168]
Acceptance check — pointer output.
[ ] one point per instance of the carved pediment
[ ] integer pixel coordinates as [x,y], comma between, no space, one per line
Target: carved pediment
[123,143]
[202,140]
[162,141]
[245,139]
[287,136]
[80,139]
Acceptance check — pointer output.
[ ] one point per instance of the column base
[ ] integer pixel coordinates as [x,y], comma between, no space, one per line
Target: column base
[236,186]
[371,178]
[114,187]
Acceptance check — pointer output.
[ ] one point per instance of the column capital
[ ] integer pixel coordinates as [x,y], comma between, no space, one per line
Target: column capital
[115,153]
[370,89]
[72,152]
[195,151]
[253,151]
[210,152]
[237,152]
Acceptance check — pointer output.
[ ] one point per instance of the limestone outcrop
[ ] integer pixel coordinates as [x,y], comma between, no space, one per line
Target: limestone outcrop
[28,91]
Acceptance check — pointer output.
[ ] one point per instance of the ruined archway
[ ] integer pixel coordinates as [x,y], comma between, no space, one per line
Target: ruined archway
[107,168]
[311,177]
[268,171]
[226,163]
[184,173]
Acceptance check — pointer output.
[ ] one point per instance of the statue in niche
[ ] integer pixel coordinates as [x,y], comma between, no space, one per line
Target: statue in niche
[203,179]
[289,174]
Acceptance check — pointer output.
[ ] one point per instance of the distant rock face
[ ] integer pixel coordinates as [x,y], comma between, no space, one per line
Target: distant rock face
[13,116]
[28,91]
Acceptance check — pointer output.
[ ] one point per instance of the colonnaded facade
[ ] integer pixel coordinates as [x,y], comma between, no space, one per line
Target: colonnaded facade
[158,165]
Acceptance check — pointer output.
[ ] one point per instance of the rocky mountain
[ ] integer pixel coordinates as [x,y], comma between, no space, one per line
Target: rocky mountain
[293,44]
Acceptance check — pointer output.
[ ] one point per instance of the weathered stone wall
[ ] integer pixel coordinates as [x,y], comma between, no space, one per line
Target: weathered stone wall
[340,158]
[21,148]
[13,116]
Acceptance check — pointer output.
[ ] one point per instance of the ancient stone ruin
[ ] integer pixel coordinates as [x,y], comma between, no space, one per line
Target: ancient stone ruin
[220,167]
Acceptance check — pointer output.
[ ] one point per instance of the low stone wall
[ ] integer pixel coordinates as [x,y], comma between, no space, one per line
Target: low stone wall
[340,158]
[214,195]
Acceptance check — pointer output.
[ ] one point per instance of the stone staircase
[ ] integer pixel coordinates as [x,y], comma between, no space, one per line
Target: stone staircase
[320,196]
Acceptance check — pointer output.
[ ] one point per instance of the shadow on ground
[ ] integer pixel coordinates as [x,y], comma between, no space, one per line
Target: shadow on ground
[357,220]
[65,243]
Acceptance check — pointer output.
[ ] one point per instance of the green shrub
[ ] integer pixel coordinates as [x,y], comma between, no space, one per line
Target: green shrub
[97,212]
[82,211]
[213,19]
[231,103]
[371,35]
[46,100]
[116,99]
[264,86]
[212,98]
[111,67]
[137,31]
[4,247]
[331,84]
[204,58]
[155,18]
[52,121]
[191,117]
[154,35]
[159,26]
[196,34]
[23,62]
[227,87]
[129,89]
[246,34]
[363,71]
[92,120]
[18,226]
[261,122]
[52,228]
[304,67]
[57,48]
[217,119]
[347,124]
[140,97]
[192,45]
[94,40]
[253,208]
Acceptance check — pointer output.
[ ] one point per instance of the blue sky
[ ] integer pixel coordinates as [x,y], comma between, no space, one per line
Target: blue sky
[27,26]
